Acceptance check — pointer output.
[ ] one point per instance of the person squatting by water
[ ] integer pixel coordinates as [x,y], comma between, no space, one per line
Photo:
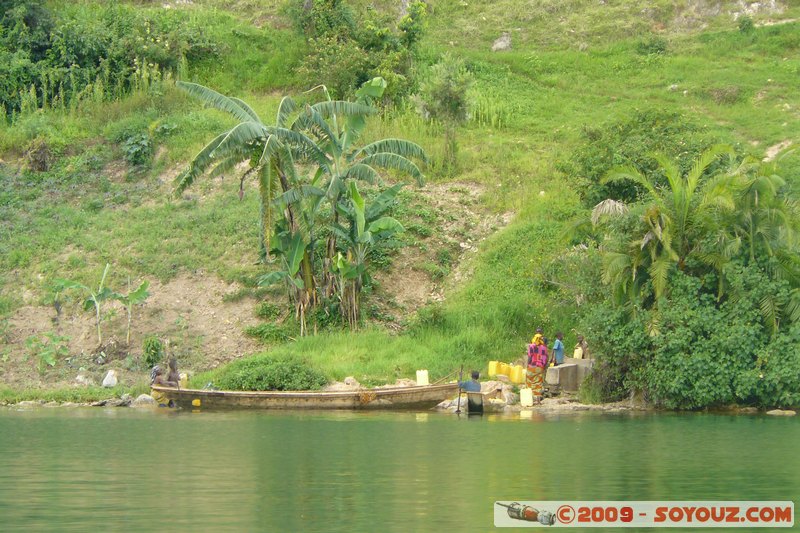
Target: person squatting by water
[157,378]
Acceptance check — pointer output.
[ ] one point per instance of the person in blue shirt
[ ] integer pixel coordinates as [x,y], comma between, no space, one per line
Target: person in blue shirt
[473,385]
[558,349]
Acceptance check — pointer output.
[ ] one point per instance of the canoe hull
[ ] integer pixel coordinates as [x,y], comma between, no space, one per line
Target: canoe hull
[423,397]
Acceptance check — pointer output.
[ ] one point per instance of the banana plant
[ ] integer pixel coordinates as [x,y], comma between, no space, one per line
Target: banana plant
[292,249]
[95,299]
[367,228]
[135,297]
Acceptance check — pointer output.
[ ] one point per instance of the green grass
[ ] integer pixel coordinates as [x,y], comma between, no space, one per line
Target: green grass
[74,395]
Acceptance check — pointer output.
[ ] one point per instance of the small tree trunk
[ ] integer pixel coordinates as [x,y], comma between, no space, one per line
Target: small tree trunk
[128,337]
[97,317]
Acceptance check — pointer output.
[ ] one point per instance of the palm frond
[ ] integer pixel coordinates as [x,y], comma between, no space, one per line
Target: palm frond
[301,143]
[342,107]
[670,169]
[397,162]
[382,202]
[608,207]
[364,173]
[630,173]
[198,165]
[702,163]
[770,311]
[659,273]
[215,99]
[313,121]
[401,147]
[245,133]
[247,109]
[285,109]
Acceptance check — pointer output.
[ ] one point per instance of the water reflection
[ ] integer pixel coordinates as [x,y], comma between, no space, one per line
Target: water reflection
[122,469]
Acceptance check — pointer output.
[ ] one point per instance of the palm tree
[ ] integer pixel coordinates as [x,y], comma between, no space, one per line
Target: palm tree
[270,152]
[674,221]
[336,127]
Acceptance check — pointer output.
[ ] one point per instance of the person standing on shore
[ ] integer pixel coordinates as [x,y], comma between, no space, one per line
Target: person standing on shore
[537,366]
[558,349]
[538,338]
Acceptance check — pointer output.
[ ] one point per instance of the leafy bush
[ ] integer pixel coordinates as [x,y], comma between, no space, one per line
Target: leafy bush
[76,52]
[261,372]
[653,45]
[267,310]
[694,352]
[153,351]
[746,24]
[343,55]
[269,332]
[138,149]
[47,349]
[631,141]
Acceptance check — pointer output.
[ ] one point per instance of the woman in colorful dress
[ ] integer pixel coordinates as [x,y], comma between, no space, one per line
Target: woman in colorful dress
[537,365]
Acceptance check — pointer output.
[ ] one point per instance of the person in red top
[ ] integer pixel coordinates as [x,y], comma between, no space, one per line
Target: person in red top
[537,366]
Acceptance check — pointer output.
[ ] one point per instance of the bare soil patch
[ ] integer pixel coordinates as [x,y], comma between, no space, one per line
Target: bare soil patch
[191,312]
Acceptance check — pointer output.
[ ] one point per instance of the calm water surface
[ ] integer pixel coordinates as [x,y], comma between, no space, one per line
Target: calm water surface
[90,469]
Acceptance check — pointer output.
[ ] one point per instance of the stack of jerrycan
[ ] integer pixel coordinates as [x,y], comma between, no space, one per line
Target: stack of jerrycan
[515,373]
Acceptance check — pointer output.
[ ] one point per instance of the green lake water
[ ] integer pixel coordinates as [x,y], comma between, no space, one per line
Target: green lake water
[93,469]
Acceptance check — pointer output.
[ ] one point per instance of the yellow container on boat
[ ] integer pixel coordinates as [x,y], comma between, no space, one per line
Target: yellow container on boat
[493,368]
[517,374]
[526,397]
[422,378]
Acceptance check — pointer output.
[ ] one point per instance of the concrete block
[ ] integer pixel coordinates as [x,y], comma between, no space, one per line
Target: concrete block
[565,376]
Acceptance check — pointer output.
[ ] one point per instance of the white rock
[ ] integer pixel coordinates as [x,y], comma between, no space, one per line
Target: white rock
[502,43]
[111,379]
[781,412]
[84,380]
[351,381]
[144,400]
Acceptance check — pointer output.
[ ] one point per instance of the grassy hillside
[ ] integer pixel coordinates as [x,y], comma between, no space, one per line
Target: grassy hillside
[573,66]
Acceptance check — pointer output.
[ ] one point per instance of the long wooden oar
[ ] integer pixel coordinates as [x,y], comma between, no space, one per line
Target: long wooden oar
[441,380]
[460,377]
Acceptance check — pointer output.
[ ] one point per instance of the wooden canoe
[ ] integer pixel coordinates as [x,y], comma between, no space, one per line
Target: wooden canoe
[422,397]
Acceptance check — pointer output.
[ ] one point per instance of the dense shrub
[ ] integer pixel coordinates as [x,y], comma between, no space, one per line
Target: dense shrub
[694,352]
[631,141]
[153,351]
[59,58]
[344,54]
[262,372]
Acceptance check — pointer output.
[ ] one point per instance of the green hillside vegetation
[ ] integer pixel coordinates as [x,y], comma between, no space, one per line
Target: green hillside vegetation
[587,89]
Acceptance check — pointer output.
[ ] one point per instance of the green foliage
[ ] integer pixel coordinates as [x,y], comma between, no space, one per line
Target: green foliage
[269,332]
[95,296]
[77,53]
[47,349]
[653,45]
[746,24]
[264,373]
[138,149]
[152,351]
[445,98]
[134,297]
[344,55]
[267,310]
[631,141]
